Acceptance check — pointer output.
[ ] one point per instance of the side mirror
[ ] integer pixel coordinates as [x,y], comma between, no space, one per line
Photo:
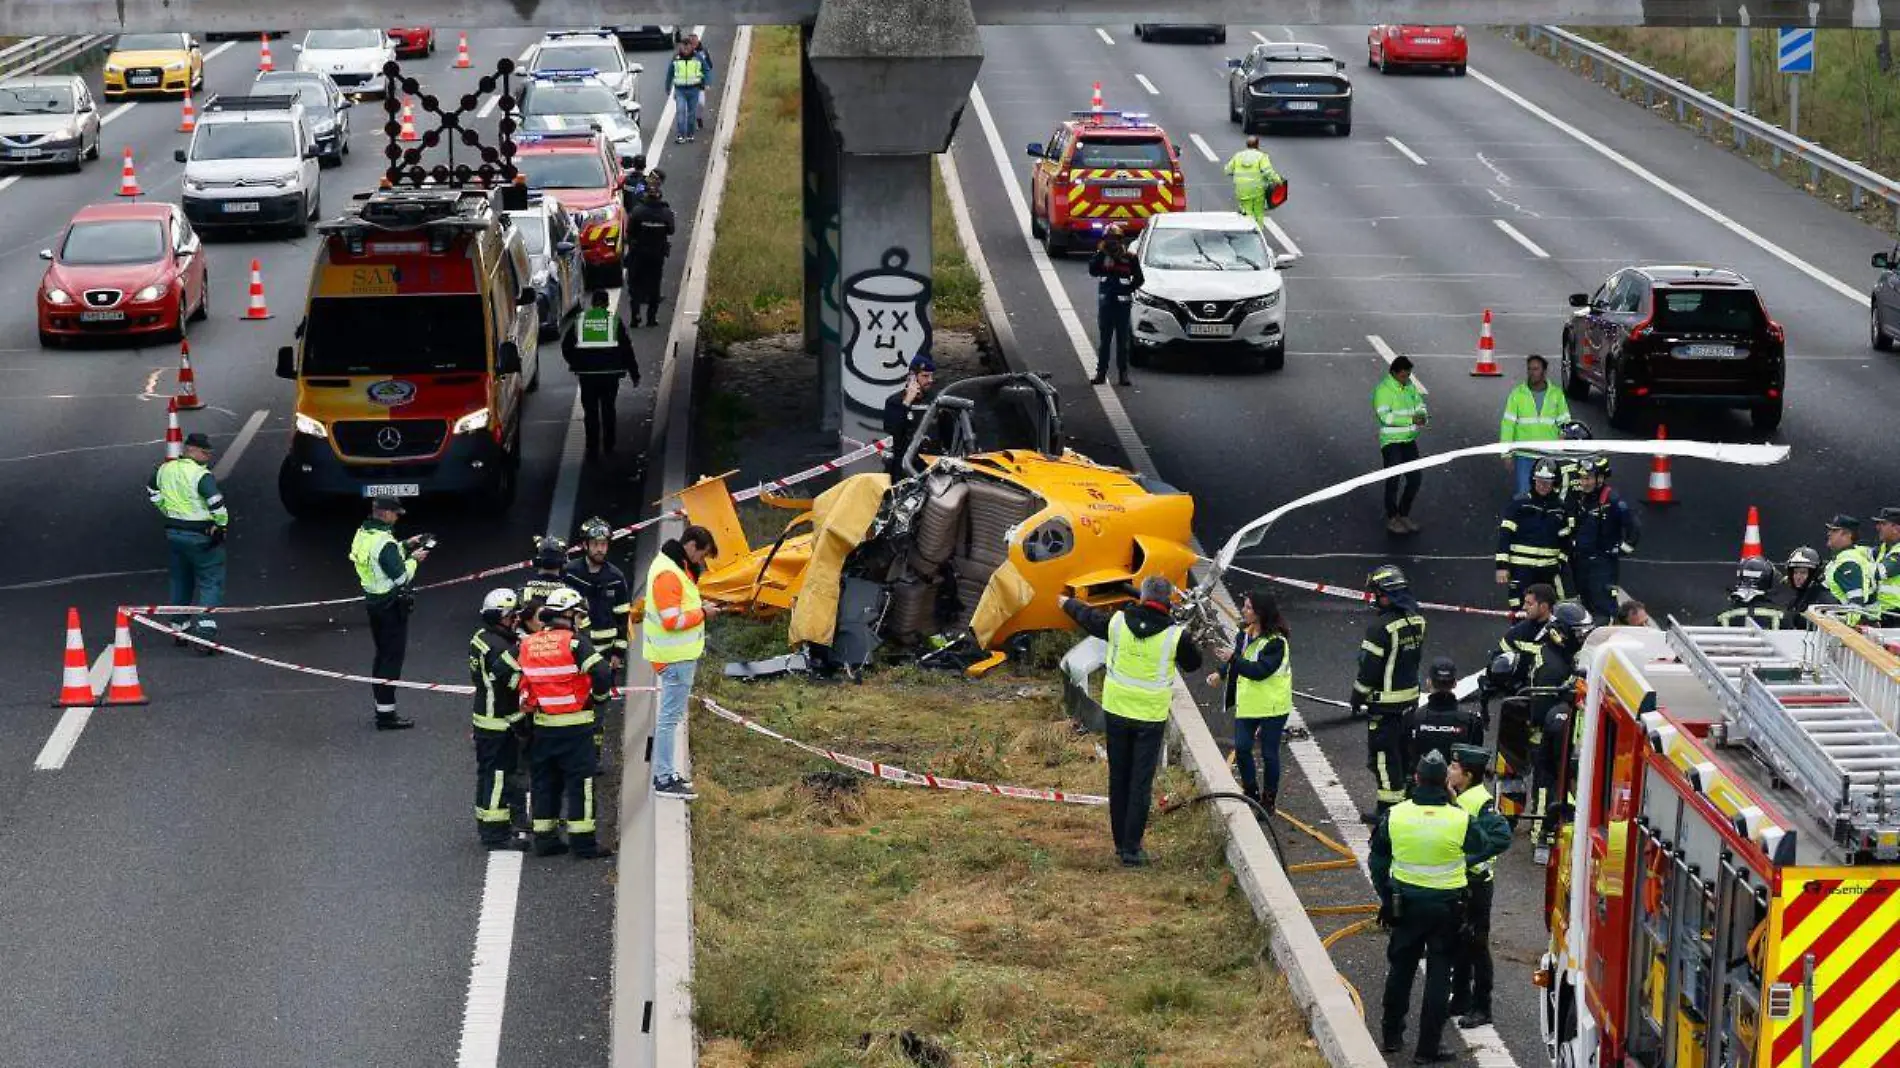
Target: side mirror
[346,105]
[1340,64]
[507,359]
[1579,300]
[1035,149]
[287,362]
[525,298]
[1286,259]
[311,152]
[565,247]
[1232,63]
[296,48]
[85,107]
[178,154]
[46,254]
[1883,261]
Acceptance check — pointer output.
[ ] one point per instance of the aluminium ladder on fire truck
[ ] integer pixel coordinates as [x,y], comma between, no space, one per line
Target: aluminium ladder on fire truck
[1803,720]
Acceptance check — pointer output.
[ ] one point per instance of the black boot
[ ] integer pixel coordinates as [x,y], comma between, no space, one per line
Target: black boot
[506,840]
[549,844]
[392,721]
[1392,1042]
[586,848]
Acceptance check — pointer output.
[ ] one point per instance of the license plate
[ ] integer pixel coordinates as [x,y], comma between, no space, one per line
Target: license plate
[1706,352]
[145,79]
[1210,330]
[1302,105]
[392,489]
[1121,193]
[24,153]
[239,207]
[101,316]
[1426,40]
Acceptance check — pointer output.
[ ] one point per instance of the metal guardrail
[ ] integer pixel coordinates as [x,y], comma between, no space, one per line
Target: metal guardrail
[1712,115]
[35,54]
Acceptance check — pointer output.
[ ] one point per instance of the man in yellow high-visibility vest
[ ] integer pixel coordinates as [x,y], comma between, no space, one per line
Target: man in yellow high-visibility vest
[1534,412]
[1252,173]
[673,637]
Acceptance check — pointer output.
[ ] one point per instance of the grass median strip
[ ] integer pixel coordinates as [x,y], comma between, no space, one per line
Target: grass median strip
[843,921]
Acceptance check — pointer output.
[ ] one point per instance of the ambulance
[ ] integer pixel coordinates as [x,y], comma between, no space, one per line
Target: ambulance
[1100,168]
[415,354]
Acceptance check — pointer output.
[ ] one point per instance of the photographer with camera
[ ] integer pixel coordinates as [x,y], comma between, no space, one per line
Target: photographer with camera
[1119,275]
[386,567]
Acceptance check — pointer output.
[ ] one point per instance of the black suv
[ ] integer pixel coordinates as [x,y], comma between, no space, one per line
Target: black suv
[1696,335]
[1289,84]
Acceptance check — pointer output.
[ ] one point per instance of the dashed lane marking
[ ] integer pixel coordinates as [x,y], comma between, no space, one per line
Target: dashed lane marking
[59,745]
[1103,34]
[1148,85]
[235,450]
[1207,150]
[220,50]
[488,976]
[1516,235]
[1279,234]
[108,117]
[1261,37]
[1388,354]
[1406,152]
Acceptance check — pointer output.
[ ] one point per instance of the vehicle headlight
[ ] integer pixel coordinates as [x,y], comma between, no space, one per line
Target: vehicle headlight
[175,67]
[307,425]
[596,216]
[324,129]
[194,185]
[284,179]
[473,421]
[151,292]
[1144,297]
[58,296]
[114,68]
[1258,304]
[65,133]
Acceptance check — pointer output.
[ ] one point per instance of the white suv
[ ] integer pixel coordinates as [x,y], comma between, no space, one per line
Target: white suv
[1210,284]
[252,163]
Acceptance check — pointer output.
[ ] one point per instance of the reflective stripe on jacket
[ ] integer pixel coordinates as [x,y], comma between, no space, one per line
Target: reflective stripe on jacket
[366,552]
[1473,801]
[177,489]
[672,634]
[1525,421]
[1857,586]
[1395,405]
[1140,672]
[497,678]
[1428,845]
[1252,172]
[553,683]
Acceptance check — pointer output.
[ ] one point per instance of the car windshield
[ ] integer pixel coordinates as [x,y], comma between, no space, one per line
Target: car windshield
[310,93]
[584,98]
[601,57]
[563,170]
[401,335]
[1713,311]
[342,39]
[151,42]
[1180,249]
[1140,153]
[97,244]
[35,100]
[245,140]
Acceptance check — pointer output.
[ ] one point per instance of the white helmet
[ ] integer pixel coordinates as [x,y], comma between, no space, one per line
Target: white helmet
[561,601]
[499,602]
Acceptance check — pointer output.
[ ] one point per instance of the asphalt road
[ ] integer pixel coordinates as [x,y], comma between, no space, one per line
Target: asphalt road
[244,873]
[1412,253]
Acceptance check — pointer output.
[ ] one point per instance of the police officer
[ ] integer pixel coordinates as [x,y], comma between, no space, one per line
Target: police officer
[499,722]
[1387,685]
[904,408]
[1252,173]
[600,353]
[187,495]
[604,586]
[1146,649]
[1534,536]
[1748,600]
[1471,973]
[549,563]
[1802,571]
[1887,566]
[1119,274]
[1605,531]
[386,567]
[1421,853]
[1442,722]
[563,680]
[1553,696]
[1850,575]
[650,230]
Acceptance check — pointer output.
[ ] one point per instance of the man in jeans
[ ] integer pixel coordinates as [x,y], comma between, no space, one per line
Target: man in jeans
[686,80]
[1400,409]
[673,633]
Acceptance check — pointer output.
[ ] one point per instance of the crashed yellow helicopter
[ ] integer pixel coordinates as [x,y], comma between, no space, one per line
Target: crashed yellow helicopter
[991,522]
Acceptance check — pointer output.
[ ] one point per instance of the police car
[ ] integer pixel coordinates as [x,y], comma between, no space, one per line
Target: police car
[598,51]
[564,101]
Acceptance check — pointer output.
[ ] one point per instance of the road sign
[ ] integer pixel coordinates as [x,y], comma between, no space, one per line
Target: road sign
[1794,51]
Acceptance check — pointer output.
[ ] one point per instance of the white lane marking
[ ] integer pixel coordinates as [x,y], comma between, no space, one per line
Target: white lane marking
[1388,354]
[80,448]
[1206,149]
[106,119]
[1514,234]
[1279,234]
[1148,85]
[47,584]
[1261,37]
[1406,152]
[7,182]
[59,745]
[220,50]
[567,482]
[1103,34]
[243,441]
[488,975]
[1858,296]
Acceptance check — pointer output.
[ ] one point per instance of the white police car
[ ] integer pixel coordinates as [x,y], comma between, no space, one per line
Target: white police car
[567,101]
[598,51]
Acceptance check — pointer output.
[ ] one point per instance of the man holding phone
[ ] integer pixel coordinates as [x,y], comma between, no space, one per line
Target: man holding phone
[386,567]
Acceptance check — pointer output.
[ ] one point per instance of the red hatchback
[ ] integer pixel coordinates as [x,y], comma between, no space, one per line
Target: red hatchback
[1416,46]
[123,270]
[413,41]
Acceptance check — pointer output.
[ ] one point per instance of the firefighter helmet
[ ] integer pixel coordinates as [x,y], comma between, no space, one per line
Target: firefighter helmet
[596,527]
[561,602]
[498,604]
[1755,573]
[1803,557]
[1572,430]
[1597,465]
[1545,470]
[549,552]
[1571,622]
[1387,579]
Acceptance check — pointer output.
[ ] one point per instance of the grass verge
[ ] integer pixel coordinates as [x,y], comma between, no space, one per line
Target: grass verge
[754,283]
[842,921]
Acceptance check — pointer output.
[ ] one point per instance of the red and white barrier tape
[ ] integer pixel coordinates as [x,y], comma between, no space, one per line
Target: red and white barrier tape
[875,448]
[1362,596]
[891,773]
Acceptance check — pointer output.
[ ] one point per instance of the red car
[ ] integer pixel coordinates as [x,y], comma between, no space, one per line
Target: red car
[1416,46]
[123,270]
[592,189]
[413,41]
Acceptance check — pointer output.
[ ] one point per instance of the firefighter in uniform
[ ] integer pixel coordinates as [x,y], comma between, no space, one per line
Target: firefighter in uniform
[386,567]
[1887,566]
[186,493]
[1748,599]
[1553,695]
[549,560]
[1471,973]
[1534,536]
[563,680]
[1421,853]
[1849,577]
[1570,465]
[609,602]
[498,722]
[1604,531]
[1803,574]
[600,353]
[1442,721]
[1523,636]
[1387,686]
[1252,173]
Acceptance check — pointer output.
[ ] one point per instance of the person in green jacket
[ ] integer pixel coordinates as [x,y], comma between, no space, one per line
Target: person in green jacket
[1400,409]
[1252,173]
[1533,412]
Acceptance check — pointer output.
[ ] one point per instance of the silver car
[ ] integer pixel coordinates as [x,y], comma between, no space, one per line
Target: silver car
[48,120]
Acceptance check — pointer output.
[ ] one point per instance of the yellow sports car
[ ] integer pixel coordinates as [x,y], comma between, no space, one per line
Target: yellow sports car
[153,63]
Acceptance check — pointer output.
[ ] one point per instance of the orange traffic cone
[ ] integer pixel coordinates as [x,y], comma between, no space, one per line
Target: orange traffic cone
[408,123]
[174,437]
[258,309]
[188,117]
[462,62]
[1095,99]
[124,688]
[1487,351]
[187,397]
[1751,536]
[263,56]
[1661,490]
[129,179]
[75,686]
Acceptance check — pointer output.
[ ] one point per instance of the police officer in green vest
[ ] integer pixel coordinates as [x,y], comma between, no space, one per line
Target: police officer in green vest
[1850,577]
[1887,563]
[1421,855]
[1145,650]
[1258,669]
[1471,975]
[386,567]
[600,353]
[184,491]
[1252,173]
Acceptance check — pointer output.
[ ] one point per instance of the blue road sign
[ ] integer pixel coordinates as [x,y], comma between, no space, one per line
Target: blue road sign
[1794,51]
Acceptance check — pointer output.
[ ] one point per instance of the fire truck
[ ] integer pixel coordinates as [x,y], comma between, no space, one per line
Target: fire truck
[1100,168]
[1728,895]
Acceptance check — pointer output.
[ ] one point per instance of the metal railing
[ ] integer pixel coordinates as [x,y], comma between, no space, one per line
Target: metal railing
[35,54]
[1712,115]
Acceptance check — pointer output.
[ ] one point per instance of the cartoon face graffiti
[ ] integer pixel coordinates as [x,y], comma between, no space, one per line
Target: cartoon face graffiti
[889,309]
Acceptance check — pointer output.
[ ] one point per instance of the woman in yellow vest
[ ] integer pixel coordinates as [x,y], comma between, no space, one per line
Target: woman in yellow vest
[1258,669]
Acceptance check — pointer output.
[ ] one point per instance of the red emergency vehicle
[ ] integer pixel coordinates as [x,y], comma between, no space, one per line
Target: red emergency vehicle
[581,167]
[1098,168]
[1729,893]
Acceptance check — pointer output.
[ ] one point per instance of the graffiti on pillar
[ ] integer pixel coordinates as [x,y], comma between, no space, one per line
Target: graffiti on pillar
[828,289]
[889,309]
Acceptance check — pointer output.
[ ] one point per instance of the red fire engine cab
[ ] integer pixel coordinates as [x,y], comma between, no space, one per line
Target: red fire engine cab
[1101,168]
